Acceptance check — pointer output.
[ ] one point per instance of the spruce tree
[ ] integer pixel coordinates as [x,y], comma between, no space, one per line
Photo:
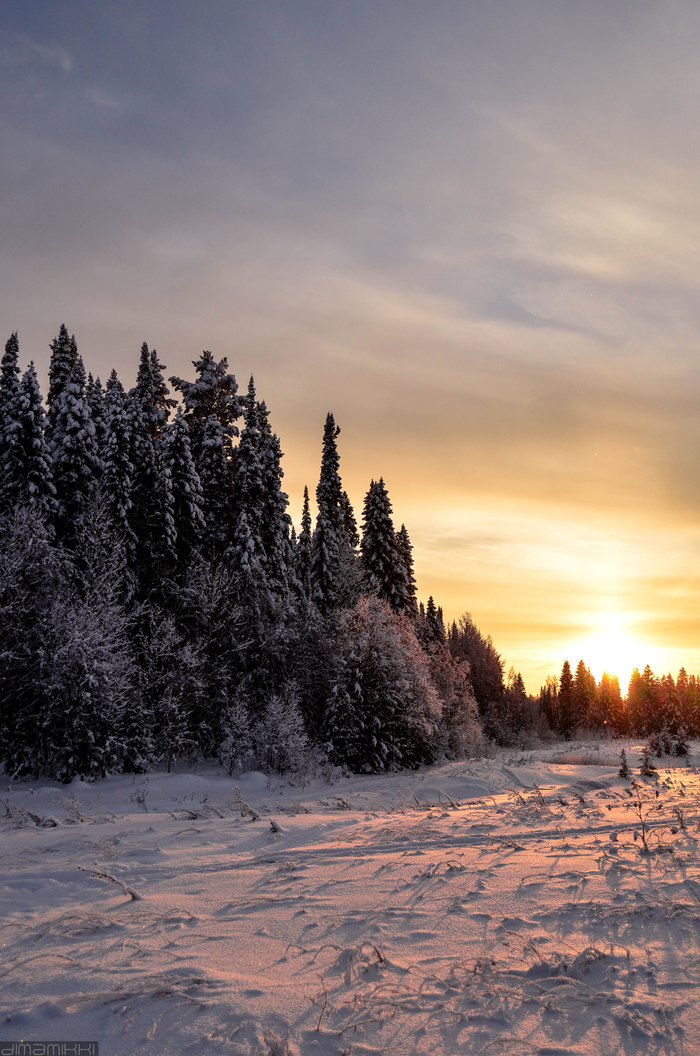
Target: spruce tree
[349,522]
[149,501]
[161,400]
[25,473]
[583,695]
[9,387]
[118,472]
[518,714]
[258,494]
[249,486]
[329,536]
[275,521]
[152,393]
[75,460]
[303,548]
[405,552]
[434,626]
[566,718]
[64,357]
[607,713]
[183,491]
[215,474]
[385,572]
[95,396]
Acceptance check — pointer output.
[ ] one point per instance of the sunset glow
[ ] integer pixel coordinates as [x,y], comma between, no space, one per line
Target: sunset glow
[611,648]
[476,241]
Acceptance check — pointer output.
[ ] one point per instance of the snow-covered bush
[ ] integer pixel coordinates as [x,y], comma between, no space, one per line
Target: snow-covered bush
[383,710]
[280,741]
[236,749]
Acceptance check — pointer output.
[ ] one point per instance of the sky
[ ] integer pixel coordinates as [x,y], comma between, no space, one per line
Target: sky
[471,230]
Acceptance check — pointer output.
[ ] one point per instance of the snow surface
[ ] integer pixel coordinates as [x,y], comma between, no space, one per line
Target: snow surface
[498,905]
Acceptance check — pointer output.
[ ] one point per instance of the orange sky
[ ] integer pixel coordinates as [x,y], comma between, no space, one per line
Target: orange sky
[470,230]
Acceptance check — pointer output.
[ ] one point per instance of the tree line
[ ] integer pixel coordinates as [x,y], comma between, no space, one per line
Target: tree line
[664,709]
[156,601]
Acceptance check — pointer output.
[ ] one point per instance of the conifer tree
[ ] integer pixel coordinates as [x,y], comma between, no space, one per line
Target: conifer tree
[152,393]
[405,552]
[327,546]
[434,626]
[216,480]
[247,561]
[549,701]
[64,357]
[583,695]
[25,473]
[349,522]
[567,718]
[607,712]
[249,486]
[303,548]
[160,398]
[258,494]
[385,572]
[95,396]
[214,392]
[118,472]
[642,696]
[9,386]
[668,707]
[518,715]
[75,461]
[149,498]
[183,491]
[246,553]
[275,521]
[145,514]
[685,702]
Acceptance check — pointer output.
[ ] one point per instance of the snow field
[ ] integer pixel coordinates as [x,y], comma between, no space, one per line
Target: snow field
[499,905]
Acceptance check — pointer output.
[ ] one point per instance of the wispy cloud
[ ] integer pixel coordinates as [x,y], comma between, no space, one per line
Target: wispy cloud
[103,99]
[20,48]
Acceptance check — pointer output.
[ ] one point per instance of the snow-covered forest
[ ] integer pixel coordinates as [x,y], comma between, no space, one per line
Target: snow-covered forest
[156,601]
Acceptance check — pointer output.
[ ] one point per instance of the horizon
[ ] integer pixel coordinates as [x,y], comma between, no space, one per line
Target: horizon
[470,234]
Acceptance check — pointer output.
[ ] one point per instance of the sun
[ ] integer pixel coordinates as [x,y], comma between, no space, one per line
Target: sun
[610,648]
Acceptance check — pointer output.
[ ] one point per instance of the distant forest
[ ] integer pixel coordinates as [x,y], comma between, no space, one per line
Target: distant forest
[665,710]
[157,603]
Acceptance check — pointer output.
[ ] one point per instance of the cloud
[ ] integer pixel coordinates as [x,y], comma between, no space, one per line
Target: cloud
[23,48]
[473,236]
[100,98]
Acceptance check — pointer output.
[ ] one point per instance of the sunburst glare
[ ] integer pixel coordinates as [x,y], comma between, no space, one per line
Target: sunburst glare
[611,647]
